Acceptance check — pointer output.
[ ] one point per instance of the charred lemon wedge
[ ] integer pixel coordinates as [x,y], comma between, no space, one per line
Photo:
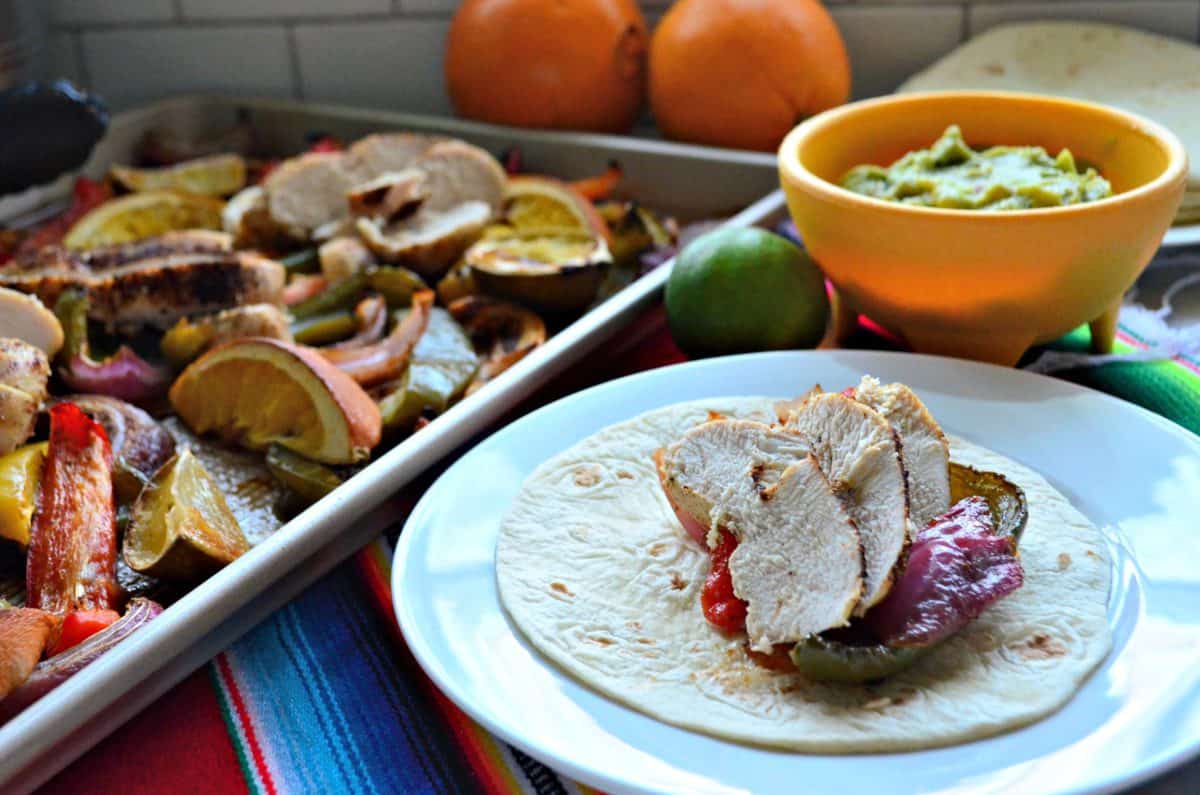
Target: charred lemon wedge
[142,215]
[181,528]
[549,252]
[216,175]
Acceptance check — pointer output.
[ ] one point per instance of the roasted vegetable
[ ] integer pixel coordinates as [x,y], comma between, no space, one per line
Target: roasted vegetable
[825,660]
[79,625]
[140,446]
[24,633]
[396,284]
[338,297]
[458,283]
[302,476]
[20,474]
[370,318]
[72,559]
[325,329]
[502,334]
[53,672]
[187,339]
[386,359]
[602,185]
[443,364]
[23,317]
[548,272]
[123,375]
[1005,499]
[303,261]
[181,527]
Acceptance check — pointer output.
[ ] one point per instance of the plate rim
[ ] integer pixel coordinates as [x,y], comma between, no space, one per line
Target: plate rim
[1155,765]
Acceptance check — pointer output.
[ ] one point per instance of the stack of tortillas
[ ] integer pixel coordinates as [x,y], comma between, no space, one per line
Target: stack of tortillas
[1154,76]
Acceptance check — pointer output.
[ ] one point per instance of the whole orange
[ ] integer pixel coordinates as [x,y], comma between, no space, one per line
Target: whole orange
[742,73]
[568,64]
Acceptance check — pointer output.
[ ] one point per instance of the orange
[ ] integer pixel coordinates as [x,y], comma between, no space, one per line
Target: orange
[566,64]
[259,391]
[742,73]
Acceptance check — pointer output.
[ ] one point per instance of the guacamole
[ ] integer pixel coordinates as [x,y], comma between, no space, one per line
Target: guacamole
[952,175]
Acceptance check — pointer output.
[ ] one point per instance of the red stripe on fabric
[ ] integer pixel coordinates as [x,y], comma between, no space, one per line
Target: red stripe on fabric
[243,715]
[150,750]
[491,780]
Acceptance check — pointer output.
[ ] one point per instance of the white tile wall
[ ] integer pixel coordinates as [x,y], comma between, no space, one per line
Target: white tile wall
[1168,17]
[387,53]
[395,65]
[888,43]
[132,66]
[83,12]
[276,9]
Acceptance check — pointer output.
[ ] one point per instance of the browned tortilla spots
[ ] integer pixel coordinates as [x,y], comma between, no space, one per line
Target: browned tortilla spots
[677,582]
[1064,561]
[657,549]
[587,476]
[1042,647]
[625,474]
[561,588]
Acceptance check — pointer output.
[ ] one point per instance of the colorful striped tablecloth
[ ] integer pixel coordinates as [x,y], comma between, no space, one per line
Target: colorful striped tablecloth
[324,696]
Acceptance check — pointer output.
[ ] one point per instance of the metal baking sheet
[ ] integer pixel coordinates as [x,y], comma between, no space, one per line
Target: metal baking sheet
[691,182]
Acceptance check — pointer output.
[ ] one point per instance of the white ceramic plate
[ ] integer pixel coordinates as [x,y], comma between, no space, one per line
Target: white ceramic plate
[1181,236]
[1131,472]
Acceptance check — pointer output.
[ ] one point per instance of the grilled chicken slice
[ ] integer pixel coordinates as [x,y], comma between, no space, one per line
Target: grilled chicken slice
[24,633]
[456,172]
[378,154]
[428,242]
[798,564]
[343,257]
[57,259]
[23,317]
[240,322]
[158,291]
[924,450]
[308,192]
[859,453]
[24,371]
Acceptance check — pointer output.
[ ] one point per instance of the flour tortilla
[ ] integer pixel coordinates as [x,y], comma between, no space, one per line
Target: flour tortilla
[596,571]
[1151,75]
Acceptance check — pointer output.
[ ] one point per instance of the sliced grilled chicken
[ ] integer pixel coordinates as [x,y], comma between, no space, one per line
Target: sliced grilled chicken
[343,257]
[383,152]
[456,172]
[309,191]
[924,450]
[390,196]
[159,291]
[24,371]
[57,259]
[23,317]
[252,320]
[859,453]
[741,454]
[430,241]
[798,563]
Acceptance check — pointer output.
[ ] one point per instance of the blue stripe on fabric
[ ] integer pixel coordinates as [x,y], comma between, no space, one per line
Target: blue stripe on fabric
[332,704]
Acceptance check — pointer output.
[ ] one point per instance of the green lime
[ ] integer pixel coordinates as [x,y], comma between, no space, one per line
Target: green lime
[735,290]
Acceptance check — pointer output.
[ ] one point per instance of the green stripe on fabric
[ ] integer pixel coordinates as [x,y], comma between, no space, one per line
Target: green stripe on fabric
[1164,387]
[231,727]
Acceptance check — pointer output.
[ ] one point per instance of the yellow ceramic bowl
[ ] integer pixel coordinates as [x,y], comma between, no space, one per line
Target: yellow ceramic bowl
[982,285]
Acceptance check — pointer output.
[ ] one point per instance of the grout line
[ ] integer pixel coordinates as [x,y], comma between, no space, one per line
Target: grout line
[257,21]
[298,91]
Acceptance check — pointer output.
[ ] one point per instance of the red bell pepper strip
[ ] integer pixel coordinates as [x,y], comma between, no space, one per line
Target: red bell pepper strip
[72,558]
[80,625]
[86,196]
[600,186]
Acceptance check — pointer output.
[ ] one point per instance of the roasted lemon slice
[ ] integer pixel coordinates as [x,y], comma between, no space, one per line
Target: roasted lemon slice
[182,528]
[533,203]
[141,215]
[217,175]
